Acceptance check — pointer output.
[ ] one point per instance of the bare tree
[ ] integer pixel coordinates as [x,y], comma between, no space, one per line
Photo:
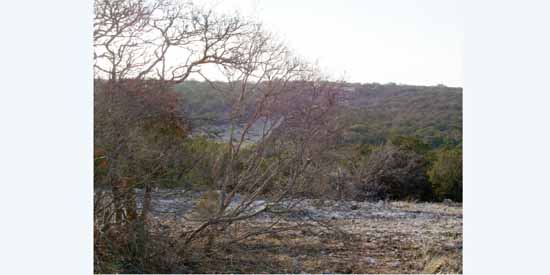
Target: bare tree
[164,39]
[289,109]
[137,40]
[142,49]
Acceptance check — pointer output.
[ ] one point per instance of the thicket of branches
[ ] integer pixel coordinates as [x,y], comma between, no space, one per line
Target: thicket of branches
[142,138]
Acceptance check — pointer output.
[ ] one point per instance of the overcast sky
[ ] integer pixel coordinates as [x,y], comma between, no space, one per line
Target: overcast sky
[402,41]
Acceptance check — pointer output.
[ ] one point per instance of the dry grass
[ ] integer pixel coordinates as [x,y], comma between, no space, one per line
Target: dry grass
[428,239]
[362,246]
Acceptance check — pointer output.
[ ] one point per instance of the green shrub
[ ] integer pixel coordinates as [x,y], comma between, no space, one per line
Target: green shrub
[446,174]
[201,161]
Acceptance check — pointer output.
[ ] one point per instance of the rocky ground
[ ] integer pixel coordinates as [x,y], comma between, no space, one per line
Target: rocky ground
[361,237]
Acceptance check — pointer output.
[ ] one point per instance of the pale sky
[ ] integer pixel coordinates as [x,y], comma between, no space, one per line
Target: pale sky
[401,41]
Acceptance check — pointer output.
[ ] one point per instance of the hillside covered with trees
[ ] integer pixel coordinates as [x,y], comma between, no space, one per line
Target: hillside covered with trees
[376,112]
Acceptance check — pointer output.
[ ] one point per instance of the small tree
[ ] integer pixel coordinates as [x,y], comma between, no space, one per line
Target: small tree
[293,107]
[141,50]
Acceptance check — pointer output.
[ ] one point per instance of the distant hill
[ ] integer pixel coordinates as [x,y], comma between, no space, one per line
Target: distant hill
[430,113]
[374,112]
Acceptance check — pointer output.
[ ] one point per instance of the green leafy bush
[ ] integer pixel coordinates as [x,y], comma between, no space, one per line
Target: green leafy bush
[203,157]
[446,174]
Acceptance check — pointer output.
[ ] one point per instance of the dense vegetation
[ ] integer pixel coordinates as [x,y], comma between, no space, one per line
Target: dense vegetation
[275,131]
[411,133]
[397,141]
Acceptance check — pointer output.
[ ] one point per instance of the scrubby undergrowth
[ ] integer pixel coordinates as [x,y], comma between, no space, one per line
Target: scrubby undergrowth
[319,236]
